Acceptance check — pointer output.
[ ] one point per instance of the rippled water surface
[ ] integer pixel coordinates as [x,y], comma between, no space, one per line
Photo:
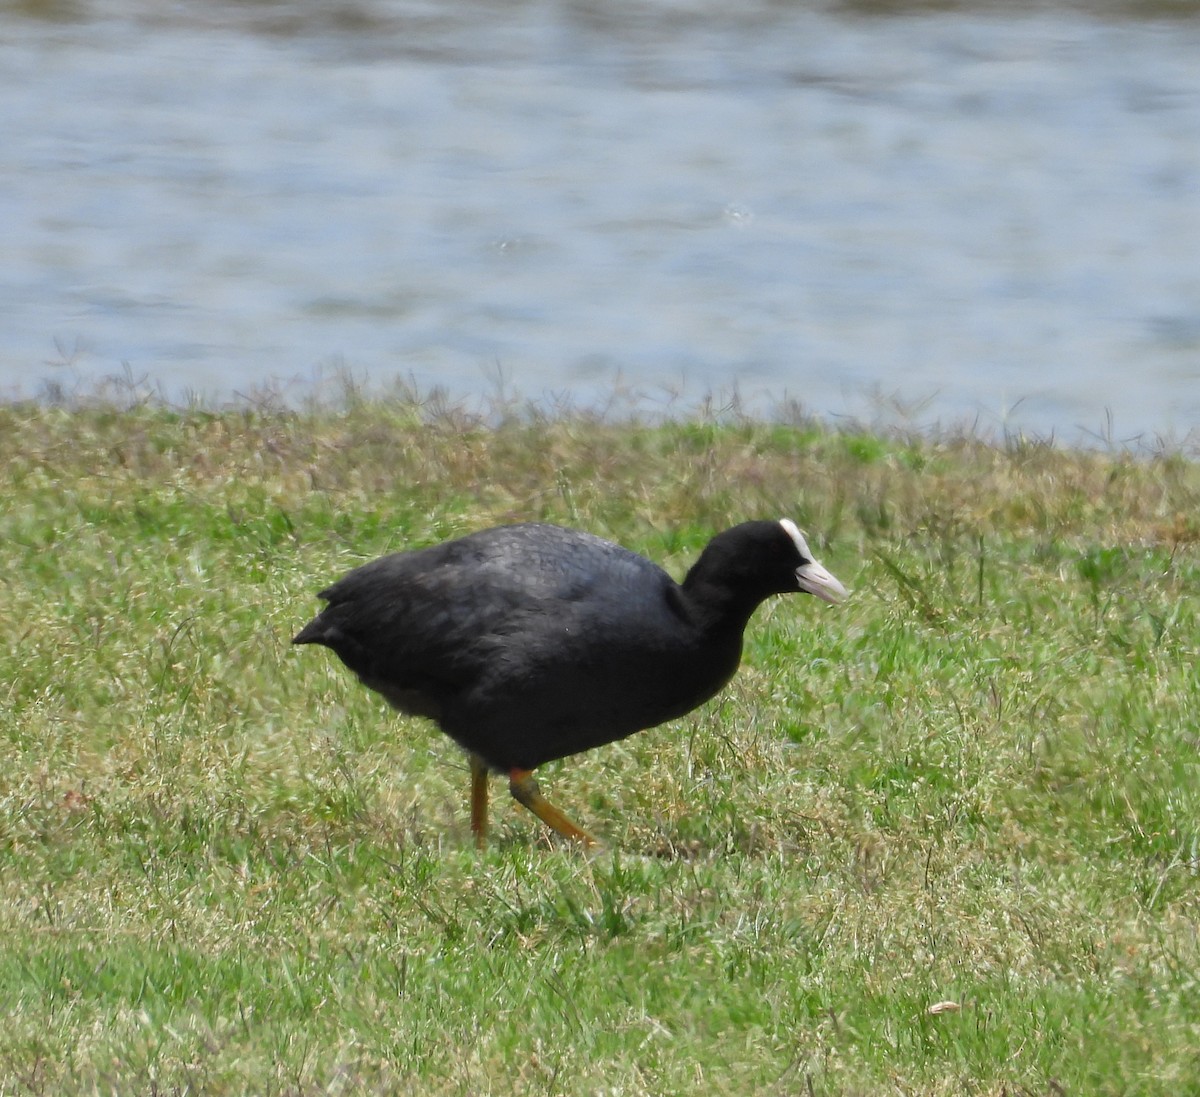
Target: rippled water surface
[992,217]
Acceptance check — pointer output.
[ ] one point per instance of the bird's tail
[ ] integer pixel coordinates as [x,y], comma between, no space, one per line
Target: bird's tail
[312,633]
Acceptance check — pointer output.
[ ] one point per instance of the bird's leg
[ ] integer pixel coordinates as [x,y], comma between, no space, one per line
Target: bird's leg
[479,800]
[525,790]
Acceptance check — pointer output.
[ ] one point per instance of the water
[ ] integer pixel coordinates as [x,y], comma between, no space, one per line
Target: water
[977,216]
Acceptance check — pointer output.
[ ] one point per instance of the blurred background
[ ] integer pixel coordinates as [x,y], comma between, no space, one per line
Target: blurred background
[927,214]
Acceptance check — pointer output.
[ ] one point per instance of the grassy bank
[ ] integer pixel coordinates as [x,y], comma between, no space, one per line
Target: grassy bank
[226,868]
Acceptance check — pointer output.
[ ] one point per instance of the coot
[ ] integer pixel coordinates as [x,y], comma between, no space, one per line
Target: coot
[531,642]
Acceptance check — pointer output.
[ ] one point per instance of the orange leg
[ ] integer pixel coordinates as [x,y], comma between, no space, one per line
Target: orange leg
[479,800]
[525,790]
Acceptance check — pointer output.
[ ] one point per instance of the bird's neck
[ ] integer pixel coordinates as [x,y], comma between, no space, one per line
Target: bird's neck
[717,607]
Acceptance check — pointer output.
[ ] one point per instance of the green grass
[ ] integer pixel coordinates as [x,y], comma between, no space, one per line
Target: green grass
[226,868]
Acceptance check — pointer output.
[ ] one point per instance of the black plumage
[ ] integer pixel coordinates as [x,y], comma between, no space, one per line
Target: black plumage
[532,642]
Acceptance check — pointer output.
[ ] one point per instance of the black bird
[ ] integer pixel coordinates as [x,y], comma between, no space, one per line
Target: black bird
[531,642]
